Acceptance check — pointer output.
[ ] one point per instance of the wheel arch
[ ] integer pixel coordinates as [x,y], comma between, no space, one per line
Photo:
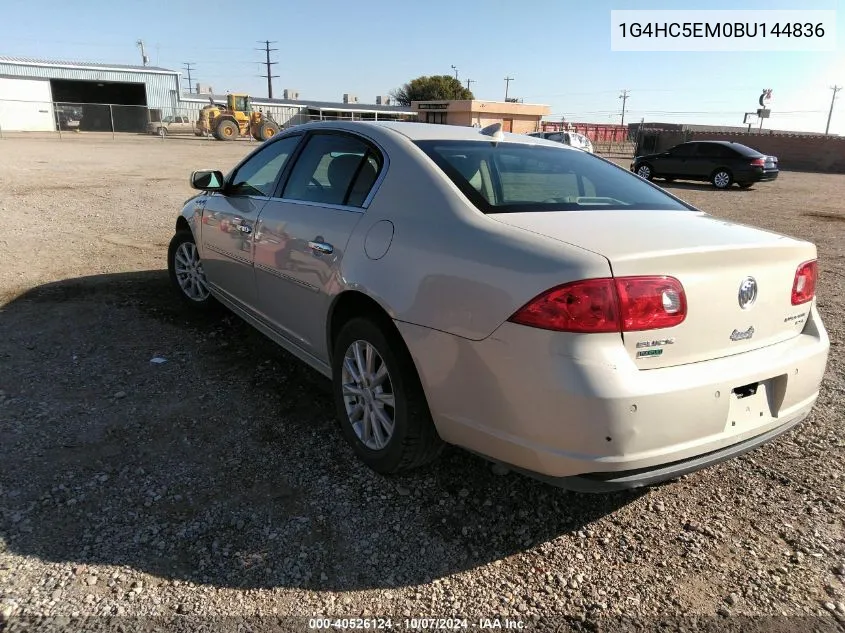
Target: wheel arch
[350,304]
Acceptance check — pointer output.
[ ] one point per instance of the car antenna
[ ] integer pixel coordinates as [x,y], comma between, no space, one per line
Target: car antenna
[494,130]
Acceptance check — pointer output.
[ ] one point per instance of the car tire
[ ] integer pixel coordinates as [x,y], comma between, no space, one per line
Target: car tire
[162,131]
[186,273]
[746,185]
[645,171]
[721,178]
[392,378]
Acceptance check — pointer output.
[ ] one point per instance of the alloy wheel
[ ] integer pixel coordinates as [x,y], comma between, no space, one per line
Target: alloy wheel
[189,272]
[722,179]
[368,395]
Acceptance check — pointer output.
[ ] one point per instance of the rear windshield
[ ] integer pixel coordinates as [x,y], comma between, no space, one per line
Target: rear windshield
[515,177]
[744,149]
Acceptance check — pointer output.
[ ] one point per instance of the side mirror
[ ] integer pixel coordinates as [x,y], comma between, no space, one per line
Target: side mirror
[207,180]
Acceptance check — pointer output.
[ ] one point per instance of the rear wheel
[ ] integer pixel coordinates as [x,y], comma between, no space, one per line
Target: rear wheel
[380,401]
[721,179]
[645,171]
[162,131]
[227,130]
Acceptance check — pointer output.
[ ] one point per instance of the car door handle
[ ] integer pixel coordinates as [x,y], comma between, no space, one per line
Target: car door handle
[321,247]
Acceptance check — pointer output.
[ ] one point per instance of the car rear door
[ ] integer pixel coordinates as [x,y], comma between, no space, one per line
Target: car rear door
[229,219]
[304,231]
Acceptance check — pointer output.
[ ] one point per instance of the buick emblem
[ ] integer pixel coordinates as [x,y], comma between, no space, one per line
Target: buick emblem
[747,292]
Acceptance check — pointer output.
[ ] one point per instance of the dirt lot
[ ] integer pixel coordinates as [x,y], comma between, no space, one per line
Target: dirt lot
[216,484]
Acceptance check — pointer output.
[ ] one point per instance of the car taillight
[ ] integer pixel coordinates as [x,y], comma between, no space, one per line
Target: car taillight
[650,303]
[759,162]
[804,286]
[623,304]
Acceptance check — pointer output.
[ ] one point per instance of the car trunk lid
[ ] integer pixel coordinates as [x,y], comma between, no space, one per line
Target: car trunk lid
[712,259]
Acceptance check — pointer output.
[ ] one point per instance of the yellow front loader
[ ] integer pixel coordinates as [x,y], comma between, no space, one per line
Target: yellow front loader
[235,119]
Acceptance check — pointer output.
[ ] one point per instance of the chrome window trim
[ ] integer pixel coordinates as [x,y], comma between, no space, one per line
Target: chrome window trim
[373,190]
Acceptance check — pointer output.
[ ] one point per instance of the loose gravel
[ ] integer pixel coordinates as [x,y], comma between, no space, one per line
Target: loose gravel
[212,486]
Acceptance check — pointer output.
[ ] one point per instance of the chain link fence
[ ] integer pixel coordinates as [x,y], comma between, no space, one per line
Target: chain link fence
[19,118]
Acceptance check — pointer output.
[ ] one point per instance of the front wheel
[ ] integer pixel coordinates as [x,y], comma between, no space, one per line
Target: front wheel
[186,271]
[645,171]
[380,401]
[721,179]
[162,131]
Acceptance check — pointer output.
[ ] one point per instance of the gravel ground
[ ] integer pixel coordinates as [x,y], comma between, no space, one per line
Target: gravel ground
[215,484]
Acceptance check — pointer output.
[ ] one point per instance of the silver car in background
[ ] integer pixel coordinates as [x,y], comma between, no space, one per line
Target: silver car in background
[530,302]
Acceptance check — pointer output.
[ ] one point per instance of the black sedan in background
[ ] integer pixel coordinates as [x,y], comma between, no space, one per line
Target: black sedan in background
[720,162]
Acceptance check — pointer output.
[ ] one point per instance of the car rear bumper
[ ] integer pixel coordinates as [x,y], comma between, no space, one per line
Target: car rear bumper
[560,406]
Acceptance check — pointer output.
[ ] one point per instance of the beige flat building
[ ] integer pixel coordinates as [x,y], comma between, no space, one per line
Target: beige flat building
[520,118]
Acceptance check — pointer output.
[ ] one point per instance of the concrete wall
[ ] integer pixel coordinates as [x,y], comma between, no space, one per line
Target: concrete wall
[801,153]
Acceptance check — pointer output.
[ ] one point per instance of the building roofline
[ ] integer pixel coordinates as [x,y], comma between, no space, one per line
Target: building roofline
[43,63]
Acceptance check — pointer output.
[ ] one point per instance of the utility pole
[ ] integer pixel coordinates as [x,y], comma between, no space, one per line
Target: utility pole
[188,70]
[269,76]
[508,81]
[835,89]
[624,97]
[470,81]
[455,68]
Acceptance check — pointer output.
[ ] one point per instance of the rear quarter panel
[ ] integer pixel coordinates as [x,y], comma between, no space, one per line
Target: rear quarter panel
[449,267]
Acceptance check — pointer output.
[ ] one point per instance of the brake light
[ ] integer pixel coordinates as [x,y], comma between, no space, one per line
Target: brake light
[651,303]
[804,286]
[607,305]
[582,306]
[758,162]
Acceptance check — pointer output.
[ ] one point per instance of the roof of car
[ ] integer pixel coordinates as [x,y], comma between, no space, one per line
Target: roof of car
[740,147]
[428,131]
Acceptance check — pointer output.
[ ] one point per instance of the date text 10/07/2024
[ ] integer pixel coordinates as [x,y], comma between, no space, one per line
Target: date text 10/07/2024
[416,624]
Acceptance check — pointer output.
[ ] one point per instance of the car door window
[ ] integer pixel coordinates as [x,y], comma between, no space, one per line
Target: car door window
[683,151]
[334,169]
[257,176]
[706,150]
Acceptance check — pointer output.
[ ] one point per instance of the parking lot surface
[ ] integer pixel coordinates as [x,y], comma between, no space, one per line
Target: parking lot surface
[216,483]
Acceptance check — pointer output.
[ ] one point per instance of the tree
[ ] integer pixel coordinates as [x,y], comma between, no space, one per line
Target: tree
[431,88]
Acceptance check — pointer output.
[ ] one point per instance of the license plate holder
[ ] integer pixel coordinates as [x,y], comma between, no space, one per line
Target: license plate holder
[750,406]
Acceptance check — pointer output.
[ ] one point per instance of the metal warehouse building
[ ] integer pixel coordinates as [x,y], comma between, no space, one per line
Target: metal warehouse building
[38,95]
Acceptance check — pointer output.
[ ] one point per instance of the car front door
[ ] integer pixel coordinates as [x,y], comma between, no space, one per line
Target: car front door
[229,218]
[677,162]
[302,235]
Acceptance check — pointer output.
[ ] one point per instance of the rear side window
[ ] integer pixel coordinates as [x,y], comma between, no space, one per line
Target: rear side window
[512,177]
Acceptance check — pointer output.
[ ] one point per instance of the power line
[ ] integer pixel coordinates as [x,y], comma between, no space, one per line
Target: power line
[624,97]
[269,76]
[508,81]
[835,89]
[188,70]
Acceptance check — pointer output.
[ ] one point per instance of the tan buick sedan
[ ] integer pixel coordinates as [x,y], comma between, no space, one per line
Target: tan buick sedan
[514,296]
